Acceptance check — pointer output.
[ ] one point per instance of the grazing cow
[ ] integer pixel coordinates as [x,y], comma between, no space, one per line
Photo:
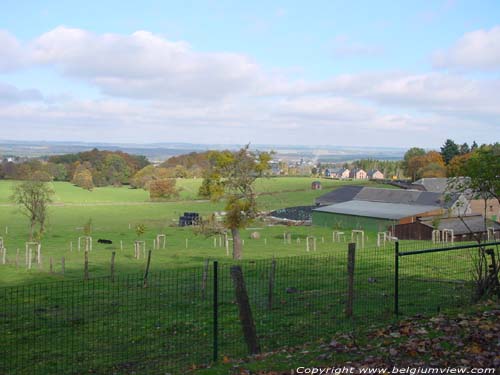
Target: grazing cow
[100,240]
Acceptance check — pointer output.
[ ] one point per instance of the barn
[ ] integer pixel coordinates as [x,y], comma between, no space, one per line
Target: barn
[366,215]
[464,229]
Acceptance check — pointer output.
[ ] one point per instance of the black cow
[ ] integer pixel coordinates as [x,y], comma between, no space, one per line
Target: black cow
[100,240]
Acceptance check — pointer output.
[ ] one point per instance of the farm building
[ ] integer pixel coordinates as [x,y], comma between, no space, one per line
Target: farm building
[375,174]
[316,185]
[374,216]
[464,229]
[339,195]
[376,209]
[358,174]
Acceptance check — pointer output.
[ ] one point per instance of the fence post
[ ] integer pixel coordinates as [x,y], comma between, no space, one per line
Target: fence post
[396,278]
[350,281]
[86,266]
[245,311]
[216,312]
[146,273]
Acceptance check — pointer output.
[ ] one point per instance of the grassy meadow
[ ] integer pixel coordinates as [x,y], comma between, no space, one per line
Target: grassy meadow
[119,327]
[116,211]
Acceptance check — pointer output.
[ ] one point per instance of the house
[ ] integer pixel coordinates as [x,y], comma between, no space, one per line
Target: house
[377,209]
[358,174]
[465,228]
[316,185]
[341,173]
[375,174]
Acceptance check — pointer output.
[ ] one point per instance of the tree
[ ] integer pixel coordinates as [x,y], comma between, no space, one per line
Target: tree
[83,178]
[430,164]
[474,146]
[411,153]
[33,197]
[449,150]
[163,189]
[464,149]
[482,181]
[231,176]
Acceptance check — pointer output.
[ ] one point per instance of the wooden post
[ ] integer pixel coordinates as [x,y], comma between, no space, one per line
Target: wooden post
[17,258]
[71,246]
[51,265]
[350,278]
[187,243]
[112,270]
[30,257]
[204,278]
[39,253]
[63,265]
[4,255]
[146,272]
[272,272]
[121,245]
[245,312]
[86,266]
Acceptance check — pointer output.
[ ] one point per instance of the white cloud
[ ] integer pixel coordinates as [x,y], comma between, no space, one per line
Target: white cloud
[476,50]
[145,65]
[12,55]
[186,95]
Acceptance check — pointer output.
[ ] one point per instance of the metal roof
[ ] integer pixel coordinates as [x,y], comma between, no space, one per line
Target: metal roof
[434,184]
[342,194]
[417,197]
[473,224]
[382,210]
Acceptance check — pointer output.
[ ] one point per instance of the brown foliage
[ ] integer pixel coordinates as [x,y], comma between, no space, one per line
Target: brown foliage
[162,189]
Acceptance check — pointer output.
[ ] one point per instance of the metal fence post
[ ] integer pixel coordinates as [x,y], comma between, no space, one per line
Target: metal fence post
[216,312]
[396,278]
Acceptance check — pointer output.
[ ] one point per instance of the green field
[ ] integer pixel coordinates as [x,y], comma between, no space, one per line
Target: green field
[116,211]
[105,327]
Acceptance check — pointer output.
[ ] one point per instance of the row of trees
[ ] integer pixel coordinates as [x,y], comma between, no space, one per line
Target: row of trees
[85,169]
[419,163]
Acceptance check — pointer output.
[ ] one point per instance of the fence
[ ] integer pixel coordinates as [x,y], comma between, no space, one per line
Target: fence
[178,320]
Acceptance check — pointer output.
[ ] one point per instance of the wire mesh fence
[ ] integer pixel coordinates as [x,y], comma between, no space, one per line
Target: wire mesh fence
[175,322]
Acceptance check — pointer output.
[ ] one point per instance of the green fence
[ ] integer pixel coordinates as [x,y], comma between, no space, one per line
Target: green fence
[186,318]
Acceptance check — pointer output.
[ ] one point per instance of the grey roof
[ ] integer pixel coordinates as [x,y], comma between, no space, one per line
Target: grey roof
[371,172]
[474,223]
[400,196]
[436,184]
[394,211]
[341,194]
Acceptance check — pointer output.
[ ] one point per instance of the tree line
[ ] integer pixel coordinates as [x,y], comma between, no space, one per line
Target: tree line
[450,161]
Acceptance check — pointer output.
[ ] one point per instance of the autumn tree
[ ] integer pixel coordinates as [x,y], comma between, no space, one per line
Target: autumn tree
[411,153]
[231,176]
[430,164]
[33,198]
[163,189]
[83,178]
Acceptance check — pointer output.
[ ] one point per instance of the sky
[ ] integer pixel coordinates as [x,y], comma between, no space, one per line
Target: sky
[348,73]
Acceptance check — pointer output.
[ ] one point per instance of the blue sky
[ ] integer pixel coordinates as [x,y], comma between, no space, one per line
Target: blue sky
[385,73]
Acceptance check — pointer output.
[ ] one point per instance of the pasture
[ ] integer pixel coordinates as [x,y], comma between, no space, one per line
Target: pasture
[116,211]
[118,326]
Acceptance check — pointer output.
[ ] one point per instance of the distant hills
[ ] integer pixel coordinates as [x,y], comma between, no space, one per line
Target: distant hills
[157,152]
